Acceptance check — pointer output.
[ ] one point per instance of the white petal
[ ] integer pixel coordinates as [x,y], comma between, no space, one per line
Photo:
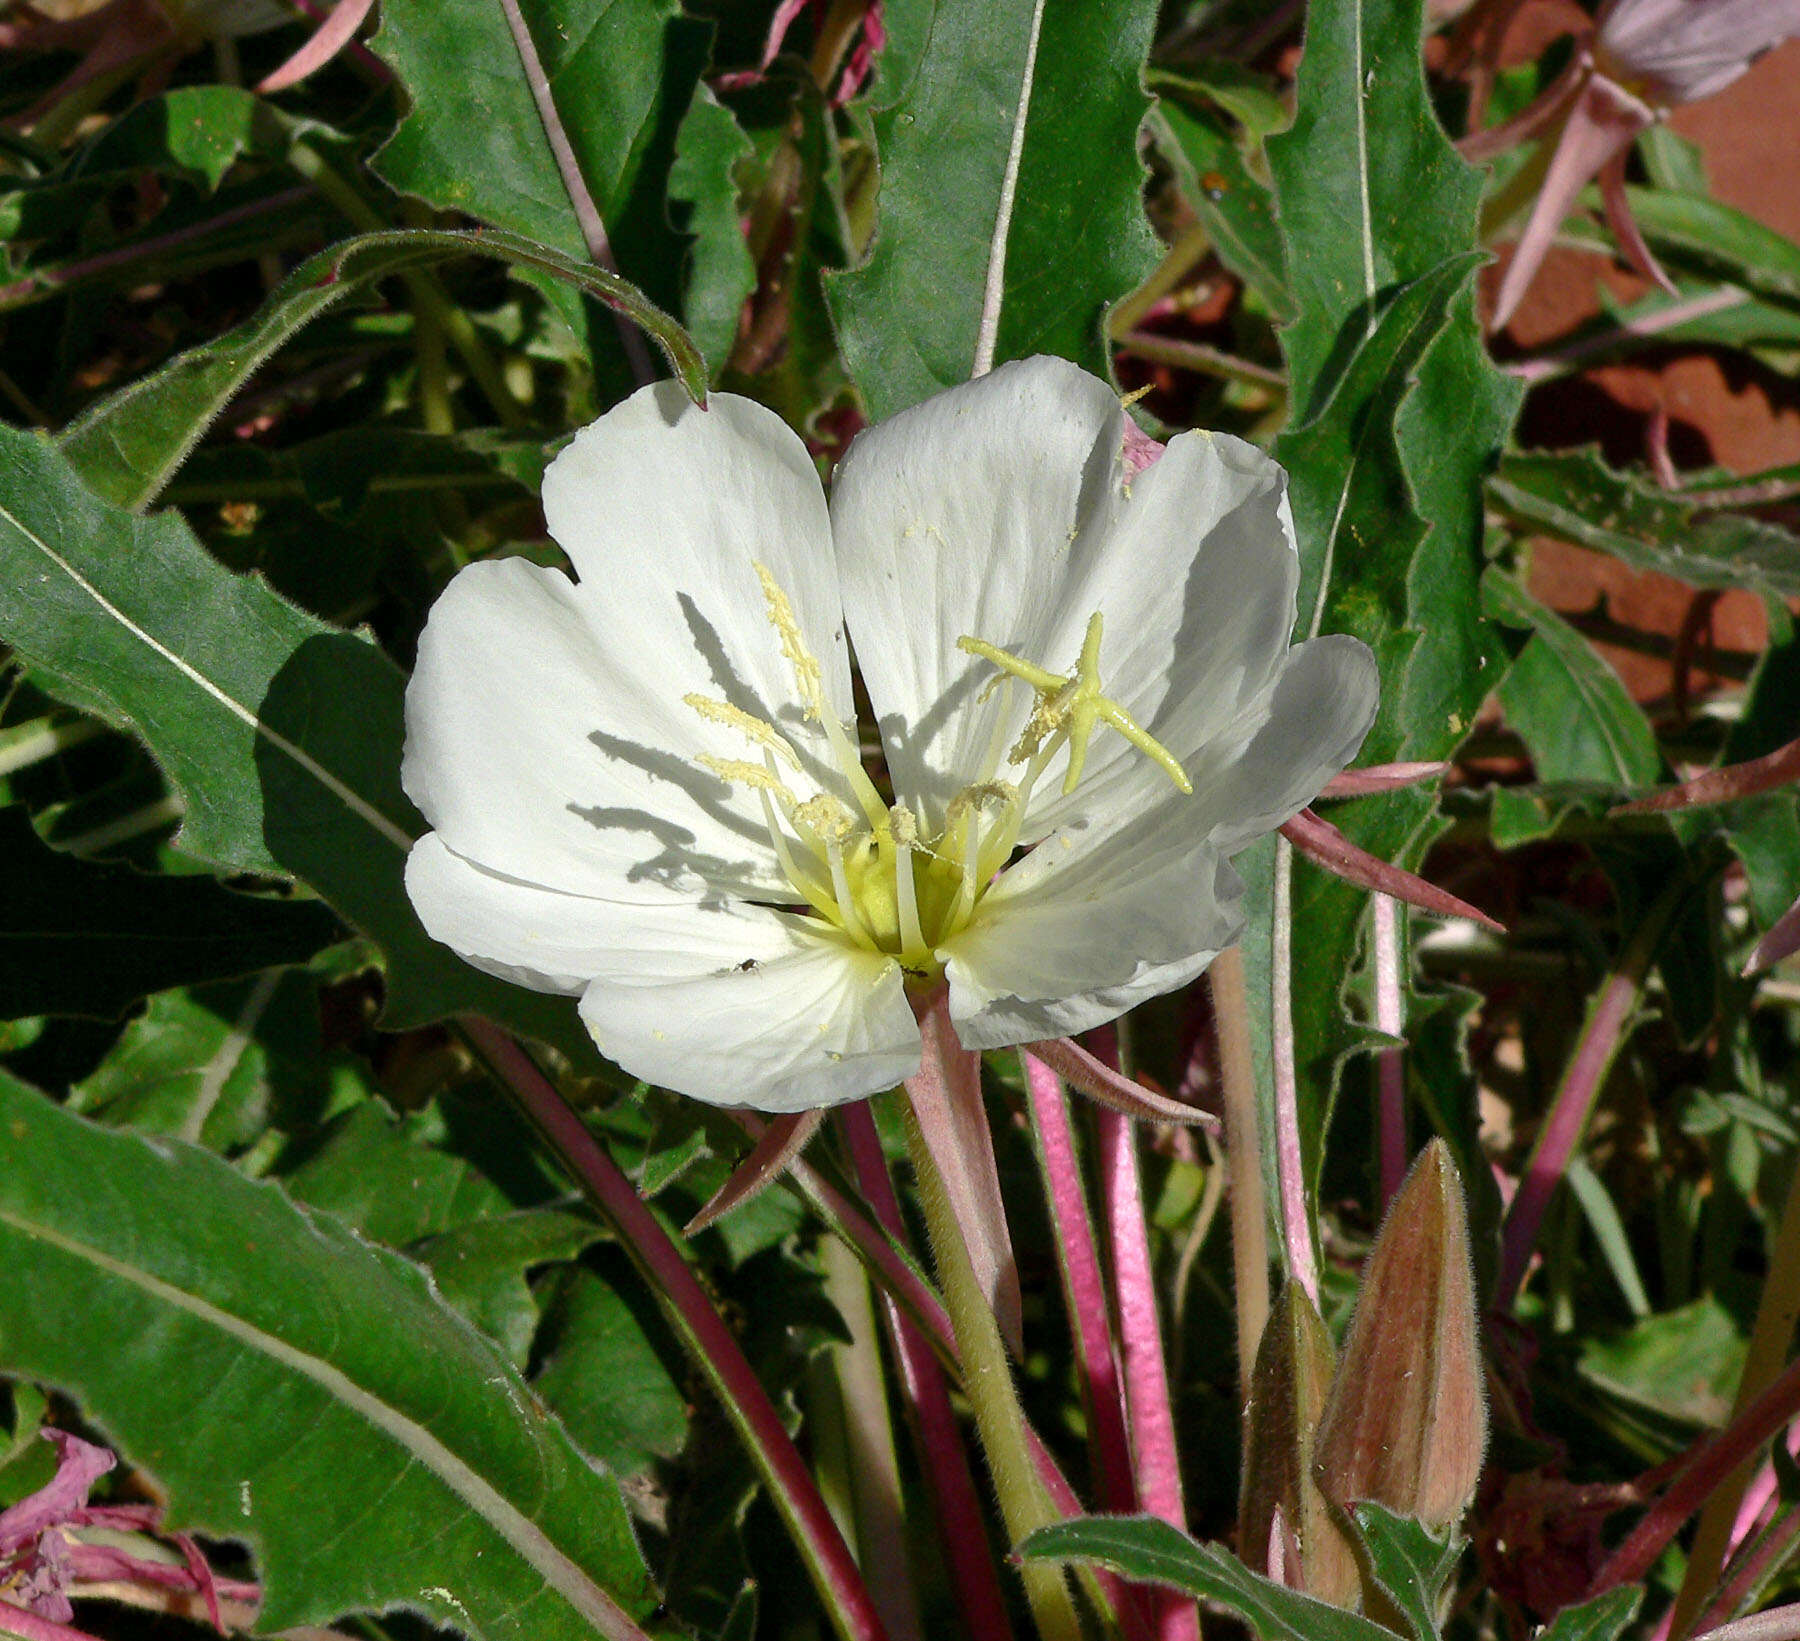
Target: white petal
[1003,511]
[1124,906]
[729,1003]
[954,518]
[665,510]
[533,748]
[817,1025]
[1317,715]
[557,942]
[1080,946]
[1194,570]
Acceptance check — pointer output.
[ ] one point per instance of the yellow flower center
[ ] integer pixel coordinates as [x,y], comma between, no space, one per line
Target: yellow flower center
[866,873]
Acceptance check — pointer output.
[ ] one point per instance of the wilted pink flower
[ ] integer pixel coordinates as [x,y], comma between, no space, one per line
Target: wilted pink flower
[1644,58]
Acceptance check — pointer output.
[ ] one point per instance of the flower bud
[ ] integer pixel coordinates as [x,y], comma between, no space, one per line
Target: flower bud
[1405,1424]
[1286,1527]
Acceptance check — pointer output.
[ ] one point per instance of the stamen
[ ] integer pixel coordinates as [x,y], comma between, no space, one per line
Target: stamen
[846,902]
[1073,707]
[752,728]
[816,894]
[745,773]
[904,829]
[809,680]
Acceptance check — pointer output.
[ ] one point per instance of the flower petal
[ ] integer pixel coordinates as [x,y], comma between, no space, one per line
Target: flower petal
[552,941]
[1011,506]
[817,1025]
[952,519]
[1102,915]
[665,510]
[1316,717]
[534,750]
[1075,947]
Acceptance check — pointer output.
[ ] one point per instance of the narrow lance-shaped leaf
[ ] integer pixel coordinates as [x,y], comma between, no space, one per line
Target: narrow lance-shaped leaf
[1010,213]
[294,1387]
[282,735]
[1372,201]
[1574,495]
[1575,715]
[129,445]
[621,78]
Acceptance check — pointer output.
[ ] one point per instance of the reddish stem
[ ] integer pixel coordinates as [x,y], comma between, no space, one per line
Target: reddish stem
[1083,1286]
[714,1347]
[1390,1066]
[943,1459]
[1156,1465]
[1574,1102]
[1706,1466]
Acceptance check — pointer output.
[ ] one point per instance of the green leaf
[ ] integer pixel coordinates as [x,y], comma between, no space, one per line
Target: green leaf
[1378,215]
[720,273]
[281,735]
[1605,1618]
[217,1066]
[1575,496]
[1411,1564]
[1150,1550]
[606,1379]
[1719,239]
[1011,196]
[1575,716]
[1370,192]
[129,445]
[291,1386]
[621,76]
[480,1269]
[78,937]
[1238,210]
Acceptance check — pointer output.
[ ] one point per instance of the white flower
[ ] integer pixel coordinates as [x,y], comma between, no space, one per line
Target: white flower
[645,784]
[1678,51]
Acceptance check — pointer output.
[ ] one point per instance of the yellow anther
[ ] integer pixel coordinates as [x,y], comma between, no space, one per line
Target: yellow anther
[809,677]
[1073,707]
[741,771]
[752,728]
[903,826]
[1127,400]
[826,816]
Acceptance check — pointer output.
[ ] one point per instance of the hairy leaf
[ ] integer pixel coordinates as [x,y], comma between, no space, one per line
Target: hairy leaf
[291,1386]
[281,735]
[1010,213]
[1574,496]
[1149,1549]
[128,446]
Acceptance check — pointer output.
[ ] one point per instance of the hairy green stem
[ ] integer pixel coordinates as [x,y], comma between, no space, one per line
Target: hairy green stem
[994,1399]
[428,295]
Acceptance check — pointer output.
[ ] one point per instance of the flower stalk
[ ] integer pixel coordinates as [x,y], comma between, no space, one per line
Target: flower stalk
[709,1342]
[987,1372]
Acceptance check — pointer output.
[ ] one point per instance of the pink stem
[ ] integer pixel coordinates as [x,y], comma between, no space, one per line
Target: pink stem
[1390,1067]
[1084,1287]
[1156,1464]
[22,1621]
[1704,1468]
[942,1457]
[1290,1166]
[711,1343]
[1748,1576]
[327,40]
[1574,1104]
[1564,359]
